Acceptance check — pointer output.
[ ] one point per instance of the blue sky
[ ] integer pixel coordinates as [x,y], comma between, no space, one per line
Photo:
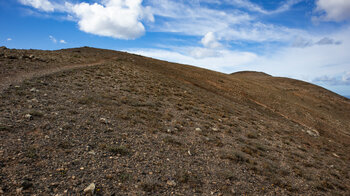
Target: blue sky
[302,39]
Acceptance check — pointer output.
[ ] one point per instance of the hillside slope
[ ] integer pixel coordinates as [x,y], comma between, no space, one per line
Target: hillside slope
[136,125]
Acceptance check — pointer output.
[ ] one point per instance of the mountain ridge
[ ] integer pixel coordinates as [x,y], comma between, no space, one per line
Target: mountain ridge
[137,125]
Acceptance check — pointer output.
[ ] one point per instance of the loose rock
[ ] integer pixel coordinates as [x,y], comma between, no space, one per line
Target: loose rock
[171,183]
[28,116]
[90,189]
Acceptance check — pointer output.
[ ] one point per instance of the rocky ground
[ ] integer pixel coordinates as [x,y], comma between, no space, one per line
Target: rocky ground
[121,124]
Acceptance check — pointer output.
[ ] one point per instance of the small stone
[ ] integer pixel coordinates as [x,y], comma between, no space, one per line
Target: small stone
[28,116]
[215,129]
[1,191]
[150,173]
[198,129]
[189,153]
[32,90]
[335,155]
[219,120]
[171,183]
[60,169]
[169,130]
[313,133]
[19,190]
[92,152]
[90,189]
[103,120]
[47,137]
[82,168]
[17,86]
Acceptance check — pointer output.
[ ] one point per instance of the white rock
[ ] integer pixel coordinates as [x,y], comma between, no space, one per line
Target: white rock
[198,129]
[215,129]
[90,189]
[313,133]
[28,116]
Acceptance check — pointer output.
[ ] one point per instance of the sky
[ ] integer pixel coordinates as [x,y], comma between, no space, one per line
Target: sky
[302,39]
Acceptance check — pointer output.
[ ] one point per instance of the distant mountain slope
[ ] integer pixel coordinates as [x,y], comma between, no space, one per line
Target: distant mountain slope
[140,126]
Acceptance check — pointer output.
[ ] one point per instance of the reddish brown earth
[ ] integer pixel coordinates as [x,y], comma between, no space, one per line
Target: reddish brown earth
[139,126]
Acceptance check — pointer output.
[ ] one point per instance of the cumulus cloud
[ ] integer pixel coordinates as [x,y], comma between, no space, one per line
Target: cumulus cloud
[43,5]
[113,18]
[63,41]
[120,19]
[53,39]
[333,10]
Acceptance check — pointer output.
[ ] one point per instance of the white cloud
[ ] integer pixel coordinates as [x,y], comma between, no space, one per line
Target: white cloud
[210,41]
[306,63]
[53,39]
[256,8]
[120,19]
[43,5]
[220,60]
[193,19]
[334,10]
[113,18]
[229,24]
[9,39]
[63,41]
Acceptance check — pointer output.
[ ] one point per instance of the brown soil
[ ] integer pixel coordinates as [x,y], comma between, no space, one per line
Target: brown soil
[139,126]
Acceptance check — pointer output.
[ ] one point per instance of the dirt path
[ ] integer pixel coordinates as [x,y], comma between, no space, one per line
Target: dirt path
[17,78]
